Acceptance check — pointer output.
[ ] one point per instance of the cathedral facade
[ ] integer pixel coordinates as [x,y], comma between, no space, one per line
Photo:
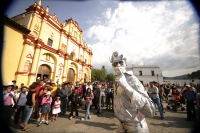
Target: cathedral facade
[51,49]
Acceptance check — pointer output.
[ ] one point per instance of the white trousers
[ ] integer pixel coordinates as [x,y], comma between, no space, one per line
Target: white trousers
[127,127]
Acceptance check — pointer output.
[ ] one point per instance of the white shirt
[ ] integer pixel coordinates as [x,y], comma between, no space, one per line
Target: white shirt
[154,89]
[16,95]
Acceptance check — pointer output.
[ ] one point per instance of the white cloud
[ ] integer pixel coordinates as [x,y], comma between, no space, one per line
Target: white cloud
[158,33]
[103,2]
[107,14]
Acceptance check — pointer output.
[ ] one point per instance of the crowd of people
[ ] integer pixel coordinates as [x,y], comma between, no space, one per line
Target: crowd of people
[46,100]
[188,94]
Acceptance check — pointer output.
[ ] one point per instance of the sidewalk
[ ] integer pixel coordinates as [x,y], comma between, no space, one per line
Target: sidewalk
[174,122]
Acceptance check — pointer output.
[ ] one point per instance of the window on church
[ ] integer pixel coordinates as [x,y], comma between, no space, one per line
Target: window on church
[50,42]
[85,60]
[152,73]
[27,66]
[140,72]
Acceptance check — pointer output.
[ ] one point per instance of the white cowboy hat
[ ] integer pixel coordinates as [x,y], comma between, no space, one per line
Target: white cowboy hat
[187,85]
[9,84]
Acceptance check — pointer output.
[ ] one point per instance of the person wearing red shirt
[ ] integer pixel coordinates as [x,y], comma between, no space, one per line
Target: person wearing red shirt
[37,91]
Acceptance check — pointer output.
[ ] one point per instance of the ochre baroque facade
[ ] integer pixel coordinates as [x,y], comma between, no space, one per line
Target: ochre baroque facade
[52,49]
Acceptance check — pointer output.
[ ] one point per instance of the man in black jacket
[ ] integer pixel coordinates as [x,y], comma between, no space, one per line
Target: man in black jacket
[75,100]
[97,95]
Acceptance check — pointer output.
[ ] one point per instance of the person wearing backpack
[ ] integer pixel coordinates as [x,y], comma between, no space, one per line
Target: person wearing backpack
[191,97]
[21,102]
[9,103]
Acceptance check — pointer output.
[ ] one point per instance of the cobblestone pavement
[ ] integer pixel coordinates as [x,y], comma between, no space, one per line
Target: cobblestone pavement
[174,122]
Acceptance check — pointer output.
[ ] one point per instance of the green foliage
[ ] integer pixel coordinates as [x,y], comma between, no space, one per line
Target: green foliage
[98,75]
[101,75]
[110,77]
[194,75]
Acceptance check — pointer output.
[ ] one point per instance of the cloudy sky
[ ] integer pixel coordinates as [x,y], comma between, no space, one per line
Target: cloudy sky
[162,33]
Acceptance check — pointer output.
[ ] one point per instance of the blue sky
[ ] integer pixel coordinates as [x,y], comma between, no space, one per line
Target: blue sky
[163,33]
[81,12]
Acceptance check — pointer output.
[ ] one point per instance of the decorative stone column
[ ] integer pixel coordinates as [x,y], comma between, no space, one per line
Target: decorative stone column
[90,70]
[65,68]
[23,56]
[41,28]
[61,38]
[83,64]
[32,74]
[32,22]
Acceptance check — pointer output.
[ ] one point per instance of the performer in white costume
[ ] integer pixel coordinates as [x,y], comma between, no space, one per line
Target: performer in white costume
[131,101]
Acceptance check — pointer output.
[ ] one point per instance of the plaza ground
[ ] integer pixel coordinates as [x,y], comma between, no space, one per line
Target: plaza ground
[174,122]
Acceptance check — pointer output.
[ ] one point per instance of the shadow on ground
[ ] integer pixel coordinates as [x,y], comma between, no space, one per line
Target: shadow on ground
[98,124]
[174,122]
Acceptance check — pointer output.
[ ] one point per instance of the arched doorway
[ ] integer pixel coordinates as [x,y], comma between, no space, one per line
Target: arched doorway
[85,77]
[70,75]
[44,72]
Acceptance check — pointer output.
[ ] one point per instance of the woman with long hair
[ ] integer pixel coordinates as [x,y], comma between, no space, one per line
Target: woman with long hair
[29,107]
[88,102]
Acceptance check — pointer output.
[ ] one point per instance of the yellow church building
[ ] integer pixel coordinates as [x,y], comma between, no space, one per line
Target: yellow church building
[37,45]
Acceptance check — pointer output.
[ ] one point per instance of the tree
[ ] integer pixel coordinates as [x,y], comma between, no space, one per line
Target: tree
[195,75]
[110,77]
[104,69]
[101,75]
[188,76]
[98,75]
[93,75]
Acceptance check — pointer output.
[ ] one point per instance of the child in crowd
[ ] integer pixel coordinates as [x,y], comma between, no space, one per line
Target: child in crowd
[56,109]
[46,107]
[88,102]
[41,95]
[75,102]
